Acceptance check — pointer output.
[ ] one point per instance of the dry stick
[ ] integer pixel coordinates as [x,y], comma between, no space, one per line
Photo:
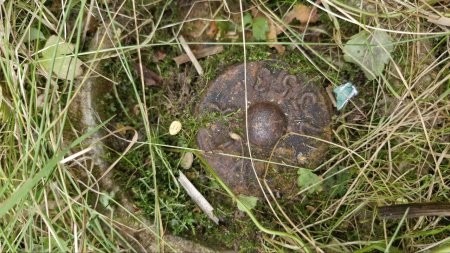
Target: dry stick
[191,56]
[204,52]
[329,90]
[197,197]
[414,210]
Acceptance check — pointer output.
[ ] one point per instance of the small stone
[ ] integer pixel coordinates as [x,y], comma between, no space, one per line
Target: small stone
[186,160]
[40,101]
[175,127]
[235,136]
[301,159]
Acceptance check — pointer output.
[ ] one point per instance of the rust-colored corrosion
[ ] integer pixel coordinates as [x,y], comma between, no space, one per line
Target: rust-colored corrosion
[287,117]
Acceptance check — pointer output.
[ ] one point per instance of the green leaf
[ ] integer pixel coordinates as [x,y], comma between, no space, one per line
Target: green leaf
[64,68]
[442,249]
[371,51]
[33,34]
[247,19]
[223,27]
[55,43]
[307,178]
[246,202]
[260,28]
[57,57]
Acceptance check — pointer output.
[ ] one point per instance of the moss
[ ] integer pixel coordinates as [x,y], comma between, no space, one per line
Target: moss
[233,232]
[165,104]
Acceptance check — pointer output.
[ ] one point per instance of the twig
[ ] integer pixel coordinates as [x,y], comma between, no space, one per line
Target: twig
[204,52]
[191,56]
[414,210]
[197,197]
[329,90]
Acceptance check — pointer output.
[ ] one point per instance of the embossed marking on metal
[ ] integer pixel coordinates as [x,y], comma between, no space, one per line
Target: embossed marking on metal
[286,116]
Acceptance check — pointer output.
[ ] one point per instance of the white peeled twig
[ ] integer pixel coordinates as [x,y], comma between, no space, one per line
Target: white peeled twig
[197,197]
[191,55]
[74,156]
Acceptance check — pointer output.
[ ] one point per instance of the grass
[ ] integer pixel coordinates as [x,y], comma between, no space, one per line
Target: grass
[390,144]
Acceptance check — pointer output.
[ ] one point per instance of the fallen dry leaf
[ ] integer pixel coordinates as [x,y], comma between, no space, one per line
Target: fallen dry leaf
[304,14]
[201,53]
[159,56]
[272,38]
[212,30]
[150,77]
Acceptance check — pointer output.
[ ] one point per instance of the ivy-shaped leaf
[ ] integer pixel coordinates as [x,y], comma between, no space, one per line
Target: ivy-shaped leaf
[223,26]
[246,202]
[307,178]
[247,19]
[260,27]
[57,57]
[371,51]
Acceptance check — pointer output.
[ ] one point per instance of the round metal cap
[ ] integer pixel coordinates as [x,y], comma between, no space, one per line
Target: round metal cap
[287,117]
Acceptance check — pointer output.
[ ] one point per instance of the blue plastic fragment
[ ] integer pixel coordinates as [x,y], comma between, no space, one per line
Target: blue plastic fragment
[344,93]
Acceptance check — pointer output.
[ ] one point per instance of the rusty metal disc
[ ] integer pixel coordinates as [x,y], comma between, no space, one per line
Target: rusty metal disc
[287,116]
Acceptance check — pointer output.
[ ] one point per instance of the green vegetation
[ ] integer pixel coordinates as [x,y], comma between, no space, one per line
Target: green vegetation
[66,187]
